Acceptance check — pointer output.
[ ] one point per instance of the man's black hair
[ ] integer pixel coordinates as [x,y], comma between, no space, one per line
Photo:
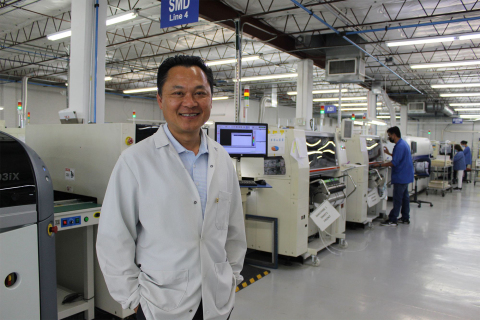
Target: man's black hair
[464,142]
[184,61]
[395,131]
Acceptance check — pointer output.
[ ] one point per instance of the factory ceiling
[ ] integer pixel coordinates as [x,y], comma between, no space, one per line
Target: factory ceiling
[272,29]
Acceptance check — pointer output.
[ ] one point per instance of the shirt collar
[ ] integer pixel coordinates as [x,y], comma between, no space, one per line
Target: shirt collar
[179,148]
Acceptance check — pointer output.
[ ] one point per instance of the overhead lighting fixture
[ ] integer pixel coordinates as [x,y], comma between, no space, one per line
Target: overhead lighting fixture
[470,116]
[110,20]
[466,94]
[411,42]
[359,104]
[455,85]
[354,109]
[445,64]
[121,17]
[467,109]
[59,35]
[407,42]
[294,93]
[149,89]
[377,122]
[343,99]
[358,123]
[387,117]
[108,78]
[468,104]
[1,108]
[228,61]
[219,98]
[268,77]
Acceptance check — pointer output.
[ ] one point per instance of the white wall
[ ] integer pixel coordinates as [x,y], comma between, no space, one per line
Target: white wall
[45,102]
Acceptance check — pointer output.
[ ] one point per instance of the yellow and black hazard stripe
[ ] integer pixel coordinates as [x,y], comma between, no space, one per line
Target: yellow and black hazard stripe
[248,282]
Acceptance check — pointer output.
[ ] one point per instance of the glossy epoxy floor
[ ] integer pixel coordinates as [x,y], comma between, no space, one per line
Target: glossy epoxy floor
[429,269]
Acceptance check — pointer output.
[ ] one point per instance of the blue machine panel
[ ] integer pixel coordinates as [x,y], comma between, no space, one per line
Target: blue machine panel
[70,222]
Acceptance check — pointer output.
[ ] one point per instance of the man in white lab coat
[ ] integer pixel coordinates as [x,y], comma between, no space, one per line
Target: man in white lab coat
[171,239]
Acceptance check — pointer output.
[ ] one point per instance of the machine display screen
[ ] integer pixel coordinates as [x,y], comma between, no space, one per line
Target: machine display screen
[321,152]
[242,139]
[17,182]
[374,148]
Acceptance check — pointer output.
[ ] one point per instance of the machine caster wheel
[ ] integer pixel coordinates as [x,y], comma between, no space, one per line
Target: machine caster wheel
[426,192]
[315,261]
[419,205]
[343,243]
[431,204]
[443,194]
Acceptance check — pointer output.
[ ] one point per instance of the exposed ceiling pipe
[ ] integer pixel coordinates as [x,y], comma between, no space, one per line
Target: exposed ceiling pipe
[353,43]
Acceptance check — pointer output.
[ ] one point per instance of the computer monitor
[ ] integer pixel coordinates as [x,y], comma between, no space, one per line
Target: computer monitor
[242,139]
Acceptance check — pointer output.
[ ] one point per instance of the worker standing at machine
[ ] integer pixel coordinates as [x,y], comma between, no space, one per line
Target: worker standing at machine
[402,176]
[171,239]
[467,153]
[459,165]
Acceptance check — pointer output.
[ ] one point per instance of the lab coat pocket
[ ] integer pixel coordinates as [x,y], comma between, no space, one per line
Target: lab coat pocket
[167,288]
[225,282]
[223,210]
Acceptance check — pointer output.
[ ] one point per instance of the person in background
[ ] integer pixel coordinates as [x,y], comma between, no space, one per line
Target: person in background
[402,176]
[467,153]
[459,165]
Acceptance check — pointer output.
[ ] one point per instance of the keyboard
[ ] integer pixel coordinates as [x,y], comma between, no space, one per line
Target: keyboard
[247,183]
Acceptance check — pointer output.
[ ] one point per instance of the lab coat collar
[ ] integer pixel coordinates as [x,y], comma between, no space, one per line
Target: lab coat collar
[161,140]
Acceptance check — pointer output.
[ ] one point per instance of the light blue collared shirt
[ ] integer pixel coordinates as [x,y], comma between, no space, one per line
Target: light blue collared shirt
[196,165]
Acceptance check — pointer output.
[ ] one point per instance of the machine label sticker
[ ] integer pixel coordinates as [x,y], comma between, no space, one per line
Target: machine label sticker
[69,189]
[373,198]
[70,174]
[324,215]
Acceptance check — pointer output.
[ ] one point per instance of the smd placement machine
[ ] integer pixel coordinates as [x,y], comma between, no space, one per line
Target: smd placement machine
[304,171]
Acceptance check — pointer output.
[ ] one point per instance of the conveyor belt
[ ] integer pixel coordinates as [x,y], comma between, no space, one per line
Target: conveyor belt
[75,206]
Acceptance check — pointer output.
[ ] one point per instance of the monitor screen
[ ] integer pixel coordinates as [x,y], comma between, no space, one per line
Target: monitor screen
[242,139]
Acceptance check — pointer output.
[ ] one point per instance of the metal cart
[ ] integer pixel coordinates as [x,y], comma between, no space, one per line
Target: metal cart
[443,185]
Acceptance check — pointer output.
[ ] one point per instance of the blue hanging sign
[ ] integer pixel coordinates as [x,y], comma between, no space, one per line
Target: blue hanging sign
[457,120]
[177,12]
[330,109]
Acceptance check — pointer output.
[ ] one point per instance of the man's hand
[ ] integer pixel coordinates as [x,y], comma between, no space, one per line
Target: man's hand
[385,149]
[136,309]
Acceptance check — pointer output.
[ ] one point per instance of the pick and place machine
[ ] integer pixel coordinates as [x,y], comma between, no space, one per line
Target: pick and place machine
[27,234]
[81,159]
[369,201]
[304,172]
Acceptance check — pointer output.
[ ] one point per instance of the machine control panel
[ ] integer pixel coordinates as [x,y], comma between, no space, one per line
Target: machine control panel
[84,218]
[71,221]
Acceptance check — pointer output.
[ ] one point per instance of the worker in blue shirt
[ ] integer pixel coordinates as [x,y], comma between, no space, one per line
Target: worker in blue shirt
[402,176]
[459,165]
[467,153]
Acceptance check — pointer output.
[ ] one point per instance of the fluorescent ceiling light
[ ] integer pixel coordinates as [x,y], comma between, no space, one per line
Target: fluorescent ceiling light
[359,104]
[59,35]
[1,108]
[406,42]
[354,109]
[140,90]
[470,116]
[467,109]
[108,78]
[468,104]
[455,85]
[378,122]
[343,99]
[358,123]
[228,61]
[111,20]
[387,117]
[466,94]
[121,17]
[268,77]
[219,98]
[294,93]
[411,42]
[445,64]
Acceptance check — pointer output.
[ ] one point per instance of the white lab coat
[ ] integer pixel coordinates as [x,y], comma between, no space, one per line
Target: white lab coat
[153,246]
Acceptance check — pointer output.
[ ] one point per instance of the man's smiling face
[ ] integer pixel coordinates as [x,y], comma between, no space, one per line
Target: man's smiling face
[186,100]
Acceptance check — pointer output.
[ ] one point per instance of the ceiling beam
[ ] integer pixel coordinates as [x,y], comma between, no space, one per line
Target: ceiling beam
[223,15]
